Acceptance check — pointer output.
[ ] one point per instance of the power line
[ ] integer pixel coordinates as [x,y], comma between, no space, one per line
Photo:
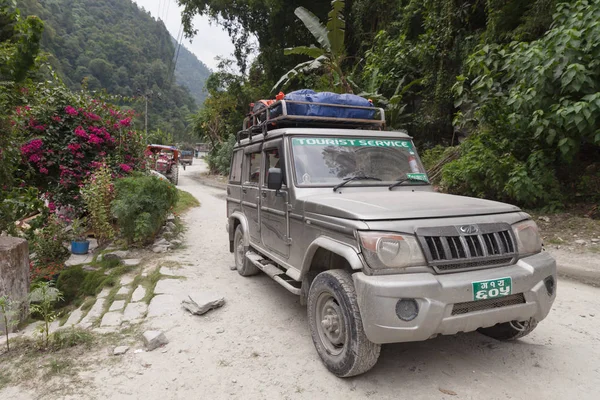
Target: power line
[167,13]
[158,12]
[180,39]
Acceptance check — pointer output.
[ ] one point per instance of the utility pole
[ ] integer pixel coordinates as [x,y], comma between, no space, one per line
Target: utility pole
[146,96]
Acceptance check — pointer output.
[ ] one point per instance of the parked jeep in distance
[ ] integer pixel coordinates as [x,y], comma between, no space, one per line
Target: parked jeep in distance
[342,214]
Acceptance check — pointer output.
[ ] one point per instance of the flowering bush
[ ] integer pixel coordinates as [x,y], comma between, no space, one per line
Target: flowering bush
[44,271]
[70,136]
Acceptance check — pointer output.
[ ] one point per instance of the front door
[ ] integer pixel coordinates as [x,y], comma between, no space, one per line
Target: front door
[251,192]
[274,221]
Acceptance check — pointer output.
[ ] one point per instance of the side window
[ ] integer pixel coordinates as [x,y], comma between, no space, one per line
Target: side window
[273,160]
[254,161]
[235,173]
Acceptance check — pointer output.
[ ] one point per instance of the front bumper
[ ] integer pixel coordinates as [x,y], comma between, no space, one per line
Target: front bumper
[437,294]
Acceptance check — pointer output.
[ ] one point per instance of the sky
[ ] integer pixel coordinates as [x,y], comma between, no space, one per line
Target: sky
[211,40]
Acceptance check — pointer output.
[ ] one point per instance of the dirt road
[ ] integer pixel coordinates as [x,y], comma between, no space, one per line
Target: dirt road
[258,345]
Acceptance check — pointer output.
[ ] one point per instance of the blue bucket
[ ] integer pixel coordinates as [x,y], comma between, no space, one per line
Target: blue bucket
[80,247]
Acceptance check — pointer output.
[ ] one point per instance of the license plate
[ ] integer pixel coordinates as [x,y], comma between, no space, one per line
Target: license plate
[492,288]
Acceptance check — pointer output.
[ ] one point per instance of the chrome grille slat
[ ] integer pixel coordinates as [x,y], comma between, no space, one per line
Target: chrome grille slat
[449,250]
[480,305]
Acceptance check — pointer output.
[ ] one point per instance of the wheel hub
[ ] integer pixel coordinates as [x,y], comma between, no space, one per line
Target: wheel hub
[330,324]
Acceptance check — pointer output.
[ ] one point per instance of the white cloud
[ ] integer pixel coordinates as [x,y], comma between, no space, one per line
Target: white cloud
[211,40]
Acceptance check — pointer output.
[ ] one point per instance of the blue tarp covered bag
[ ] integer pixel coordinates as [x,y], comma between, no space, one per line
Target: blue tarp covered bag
[317,110]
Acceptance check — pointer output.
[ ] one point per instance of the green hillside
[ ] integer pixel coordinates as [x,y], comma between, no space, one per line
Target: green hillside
[114,45]
[192,73]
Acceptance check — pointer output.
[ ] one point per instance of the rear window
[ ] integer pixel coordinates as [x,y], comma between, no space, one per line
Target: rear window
[235,174]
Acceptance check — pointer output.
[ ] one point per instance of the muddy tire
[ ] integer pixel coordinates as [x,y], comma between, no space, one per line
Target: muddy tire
[336,326]
[242,264]
[174,175]
[509,330]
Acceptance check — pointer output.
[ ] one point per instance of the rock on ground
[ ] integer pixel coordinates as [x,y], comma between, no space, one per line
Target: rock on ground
[78,259]
[201,303]
[134,311]
[160,249]
[132,262]
[120,350]
[117,305]
[154,339]
[113,318]
[138,294]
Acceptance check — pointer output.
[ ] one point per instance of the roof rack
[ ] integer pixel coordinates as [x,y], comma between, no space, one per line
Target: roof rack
[277,116]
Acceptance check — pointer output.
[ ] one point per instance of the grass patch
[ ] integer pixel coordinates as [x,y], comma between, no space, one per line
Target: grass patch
[185,202]
[150,285]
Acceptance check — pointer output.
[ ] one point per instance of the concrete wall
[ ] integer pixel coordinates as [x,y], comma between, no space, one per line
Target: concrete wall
[14,273]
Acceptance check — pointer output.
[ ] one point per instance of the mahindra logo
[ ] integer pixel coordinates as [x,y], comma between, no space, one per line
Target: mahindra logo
[468,229]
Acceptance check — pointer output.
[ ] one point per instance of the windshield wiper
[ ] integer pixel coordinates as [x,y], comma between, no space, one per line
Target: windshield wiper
[401,181]
[355,178]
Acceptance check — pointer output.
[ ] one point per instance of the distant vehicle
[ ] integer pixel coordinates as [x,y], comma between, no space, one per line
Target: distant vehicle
[187,157]
[165,160]
[342,213]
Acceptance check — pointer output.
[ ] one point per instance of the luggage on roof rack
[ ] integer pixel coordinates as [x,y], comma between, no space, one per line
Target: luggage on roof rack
[307,108]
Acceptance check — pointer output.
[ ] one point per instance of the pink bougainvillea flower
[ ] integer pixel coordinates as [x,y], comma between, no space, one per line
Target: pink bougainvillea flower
[79,155]
[44,171]
[92,116]
[51,206]
[73,147]
[79,131]
[40,128]
[71,110]
[125,122]
[102,154]
[34,158]
[56,118]
[125,167]
[95,139]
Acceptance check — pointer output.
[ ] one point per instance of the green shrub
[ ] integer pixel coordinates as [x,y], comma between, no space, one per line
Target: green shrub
[98,194]
[95,281]
[141,206]
[69,282]
[48,243]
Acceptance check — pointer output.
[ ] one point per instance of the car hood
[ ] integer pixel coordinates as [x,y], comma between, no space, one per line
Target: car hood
[385,205]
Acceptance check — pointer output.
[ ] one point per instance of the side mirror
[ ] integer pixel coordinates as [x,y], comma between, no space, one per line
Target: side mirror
[274,179]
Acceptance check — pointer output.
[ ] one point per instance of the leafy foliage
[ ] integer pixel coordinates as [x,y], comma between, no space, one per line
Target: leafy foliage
[8,310]
[98,195]
[42,300]
[331,53]
[48,243]
[141,206]
[547,91]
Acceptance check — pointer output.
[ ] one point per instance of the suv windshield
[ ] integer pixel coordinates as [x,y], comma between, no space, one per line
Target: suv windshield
[327,161]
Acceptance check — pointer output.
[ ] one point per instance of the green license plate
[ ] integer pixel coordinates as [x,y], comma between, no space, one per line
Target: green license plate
[492,288]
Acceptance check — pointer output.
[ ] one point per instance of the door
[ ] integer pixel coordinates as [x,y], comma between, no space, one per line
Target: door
[251,191]
[274,220]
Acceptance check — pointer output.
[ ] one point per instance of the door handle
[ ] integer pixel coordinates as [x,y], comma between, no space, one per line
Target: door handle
[264,195]
[244,190]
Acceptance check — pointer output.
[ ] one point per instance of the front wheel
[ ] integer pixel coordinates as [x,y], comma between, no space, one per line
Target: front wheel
[336,325]
[509,330]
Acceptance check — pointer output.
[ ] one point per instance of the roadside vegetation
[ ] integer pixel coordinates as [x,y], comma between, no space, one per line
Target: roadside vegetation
[502,98]
[72,168]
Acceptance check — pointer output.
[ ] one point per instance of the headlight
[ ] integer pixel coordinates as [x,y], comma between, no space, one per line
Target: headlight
[528,237]
[386,250]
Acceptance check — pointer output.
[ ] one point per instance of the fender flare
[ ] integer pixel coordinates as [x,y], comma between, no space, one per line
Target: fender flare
[342,249]
[243,222]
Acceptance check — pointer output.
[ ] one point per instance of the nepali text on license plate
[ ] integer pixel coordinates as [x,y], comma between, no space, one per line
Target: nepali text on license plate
[492,288]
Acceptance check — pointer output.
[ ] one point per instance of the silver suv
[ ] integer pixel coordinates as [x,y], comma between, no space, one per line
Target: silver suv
[347,220]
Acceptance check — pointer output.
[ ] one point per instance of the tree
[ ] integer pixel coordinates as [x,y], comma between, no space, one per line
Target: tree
[331,53]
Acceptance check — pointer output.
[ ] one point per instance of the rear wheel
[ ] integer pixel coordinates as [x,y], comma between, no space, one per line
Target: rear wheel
[174,176]
[242,264]
[336,325]
[509,330]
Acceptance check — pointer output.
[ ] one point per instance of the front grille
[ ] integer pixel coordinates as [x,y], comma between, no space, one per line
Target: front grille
[447,249]
[480,305]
